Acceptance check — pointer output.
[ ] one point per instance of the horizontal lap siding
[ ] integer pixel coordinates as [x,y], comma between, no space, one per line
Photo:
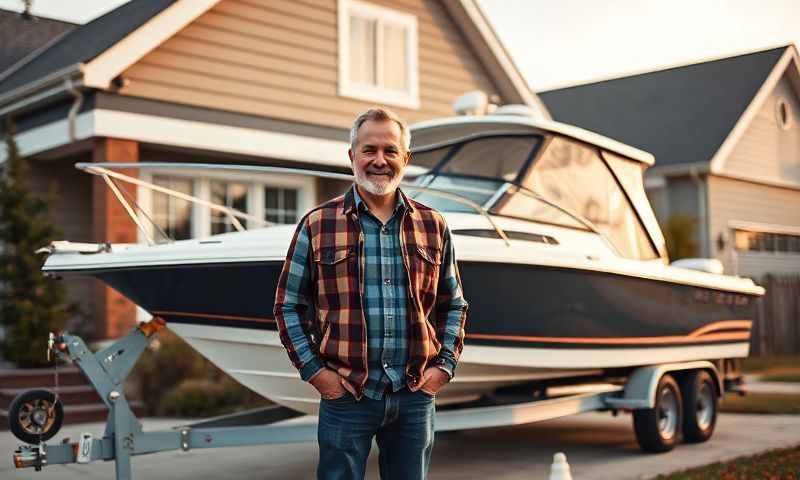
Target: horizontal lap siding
[766,151]
[739,201]
[278,58]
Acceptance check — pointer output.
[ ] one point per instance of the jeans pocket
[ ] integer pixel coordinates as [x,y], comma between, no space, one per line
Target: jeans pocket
[344,398]
[427,394]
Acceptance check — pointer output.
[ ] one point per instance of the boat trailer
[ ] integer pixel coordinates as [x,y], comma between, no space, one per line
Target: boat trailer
[124,437]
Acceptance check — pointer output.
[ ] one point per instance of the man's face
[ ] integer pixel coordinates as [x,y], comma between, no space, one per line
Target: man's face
[379,157]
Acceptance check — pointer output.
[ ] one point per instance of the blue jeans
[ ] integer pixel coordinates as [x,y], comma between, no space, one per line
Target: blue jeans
[402,423]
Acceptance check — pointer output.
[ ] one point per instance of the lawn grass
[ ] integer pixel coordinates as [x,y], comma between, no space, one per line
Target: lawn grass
[763,403]
[787,376]
[783,464]
[769,363]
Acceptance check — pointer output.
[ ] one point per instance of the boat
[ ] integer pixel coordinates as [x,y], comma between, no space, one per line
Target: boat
[561,258]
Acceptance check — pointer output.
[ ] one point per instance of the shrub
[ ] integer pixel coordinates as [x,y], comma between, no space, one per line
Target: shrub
[30,304]
[171,378]
[680,237]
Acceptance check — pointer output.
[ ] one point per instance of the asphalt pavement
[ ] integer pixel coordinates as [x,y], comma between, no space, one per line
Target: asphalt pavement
[597,445]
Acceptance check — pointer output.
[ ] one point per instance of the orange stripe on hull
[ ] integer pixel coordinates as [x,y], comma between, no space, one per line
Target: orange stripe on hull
[722,325]
[221,317]
[617,340]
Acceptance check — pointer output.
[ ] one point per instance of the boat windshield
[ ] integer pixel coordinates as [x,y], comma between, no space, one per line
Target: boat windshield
[474,167]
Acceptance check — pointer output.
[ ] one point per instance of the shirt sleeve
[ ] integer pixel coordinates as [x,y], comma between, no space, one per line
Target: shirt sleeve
[451,309]
[292,301]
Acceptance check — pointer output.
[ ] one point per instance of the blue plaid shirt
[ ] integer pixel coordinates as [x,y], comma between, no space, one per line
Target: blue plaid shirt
[385,297]
[385,301]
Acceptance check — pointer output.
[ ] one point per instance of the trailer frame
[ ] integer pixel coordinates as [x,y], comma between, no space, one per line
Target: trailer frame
[124,436]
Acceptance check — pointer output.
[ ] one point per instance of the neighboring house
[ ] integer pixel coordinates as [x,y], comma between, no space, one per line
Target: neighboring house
[264,82]
[726,138]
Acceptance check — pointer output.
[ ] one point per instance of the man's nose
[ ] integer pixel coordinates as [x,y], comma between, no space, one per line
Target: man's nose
[379,160]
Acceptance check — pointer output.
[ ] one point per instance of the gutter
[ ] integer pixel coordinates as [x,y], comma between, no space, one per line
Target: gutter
[31,95]
[702,211]
[72,87]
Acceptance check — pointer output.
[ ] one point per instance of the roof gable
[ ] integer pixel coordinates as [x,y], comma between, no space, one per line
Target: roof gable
[86,42]
[682,115]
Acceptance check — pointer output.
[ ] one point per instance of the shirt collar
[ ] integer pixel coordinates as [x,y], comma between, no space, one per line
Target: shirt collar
[360,203]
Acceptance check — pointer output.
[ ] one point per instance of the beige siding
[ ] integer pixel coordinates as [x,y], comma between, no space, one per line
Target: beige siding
[766,151]
[278,58]
[738,201]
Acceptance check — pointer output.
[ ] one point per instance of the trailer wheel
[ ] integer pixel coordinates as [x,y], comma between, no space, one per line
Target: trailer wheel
[658,428]
[35,416]
[699,406]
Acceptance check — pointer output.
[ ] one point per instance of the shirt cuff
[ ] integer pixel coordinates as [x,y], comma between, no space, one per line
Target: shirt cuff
[310,369]
[447,365]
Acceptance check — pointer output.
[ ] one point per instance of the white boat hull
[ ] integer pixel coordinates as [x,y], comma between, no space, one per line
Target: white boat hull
[257,360]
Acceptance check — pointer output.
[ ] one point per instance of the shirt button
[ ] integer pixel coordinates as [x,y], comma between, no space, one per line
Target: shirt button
[385,231]
[387,281]
[385,365]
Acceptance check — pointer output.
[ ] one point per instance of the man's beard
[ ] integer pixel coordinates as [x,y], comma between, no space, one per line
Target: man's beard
[378,188]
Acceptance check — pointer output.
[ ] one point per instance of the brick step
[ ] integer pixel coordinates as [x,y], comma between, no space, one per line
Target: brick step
[95,412]
[69,395]
[36,377]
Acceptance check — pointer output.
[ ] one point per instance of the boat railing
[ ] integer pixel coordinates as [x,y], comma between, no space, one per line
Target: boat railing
[107,171]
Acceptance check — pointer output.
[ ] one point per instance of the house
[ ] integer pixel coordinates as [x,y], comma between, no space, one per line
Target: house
[726,137]
[262,82]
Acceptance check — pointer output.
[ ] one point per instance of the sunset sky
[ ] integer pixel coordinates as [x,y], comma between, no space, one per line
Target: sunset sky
[565,42]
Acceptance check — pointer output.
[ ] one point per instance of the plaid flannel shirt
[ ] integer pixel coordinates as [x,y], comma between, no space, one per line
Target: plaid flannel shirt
[320,296]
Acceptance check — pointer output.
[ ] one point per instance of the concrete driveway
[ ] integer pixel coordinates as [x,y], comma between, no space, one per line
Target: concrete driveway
[598,446]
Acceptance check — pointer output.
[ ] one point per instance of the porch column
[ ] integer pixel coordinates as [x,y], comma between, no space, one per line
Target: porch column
[114,314]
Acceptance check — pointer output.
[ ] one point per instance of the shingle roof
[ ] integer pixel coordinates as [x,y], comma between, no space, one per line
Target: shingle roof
[87,41]
[20,36]
[681,114]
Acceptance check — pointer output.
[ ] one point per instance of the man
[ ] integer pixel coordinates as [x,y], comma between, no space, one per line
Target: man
[370,309]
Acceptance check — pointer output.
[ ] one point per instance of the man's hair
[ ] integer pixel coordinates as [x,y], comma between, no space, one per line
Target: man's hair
[380,114]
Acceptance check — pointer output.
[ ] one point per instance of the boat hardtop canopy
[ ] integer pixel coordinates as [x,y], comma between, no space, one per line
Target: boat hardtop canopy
[542,171]
[430,132]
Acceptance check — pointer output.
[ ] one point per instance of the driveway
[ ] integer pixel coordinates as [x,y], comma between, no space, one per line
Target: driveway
[598,446]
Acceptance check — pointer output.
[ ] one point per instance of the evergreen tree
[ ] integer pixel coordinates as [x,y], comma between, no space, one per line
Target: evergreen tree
[30,304]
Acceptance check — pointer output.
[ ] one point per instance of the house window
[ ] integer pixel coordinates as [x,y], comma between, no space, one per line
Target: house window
[378,54]
[750,241]
[230,194]
[783,114]
[280,205]
[173,215]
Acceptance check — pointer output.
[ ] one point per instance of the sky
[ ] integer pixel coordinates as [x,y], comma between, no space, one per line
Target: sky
[558,43]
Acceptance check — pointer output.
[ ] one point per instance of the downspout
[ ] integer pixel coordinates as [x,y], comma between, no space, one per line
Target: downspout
[72,88]
[703,211]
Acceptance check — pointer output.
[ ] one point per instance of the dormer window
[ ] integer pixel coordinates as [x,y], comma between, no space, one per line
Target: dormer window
[378,54]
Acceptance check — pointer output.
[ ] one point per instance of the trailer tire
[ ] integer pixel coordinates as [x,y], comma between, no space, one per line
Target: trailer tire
[699,406]
[658,428]
[35,416]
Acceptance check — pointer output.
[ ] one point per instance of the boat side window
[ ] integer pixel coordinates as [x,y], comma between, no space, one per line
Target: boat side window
[173,215]
[475,168]
[573,175]
[630,175]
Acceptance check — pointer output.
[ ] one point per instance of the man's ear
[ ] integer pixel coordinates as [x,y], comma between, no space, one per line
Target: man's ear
[408,158]
[352,157]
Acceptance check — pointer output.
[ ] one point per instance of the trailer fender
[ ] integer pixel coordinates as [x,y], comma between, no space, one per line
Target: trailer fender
[640,389]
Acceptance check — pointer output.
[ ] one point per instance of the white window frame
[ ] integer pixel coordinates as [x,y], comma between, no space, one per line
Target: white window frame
[373,93]
[201,216]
